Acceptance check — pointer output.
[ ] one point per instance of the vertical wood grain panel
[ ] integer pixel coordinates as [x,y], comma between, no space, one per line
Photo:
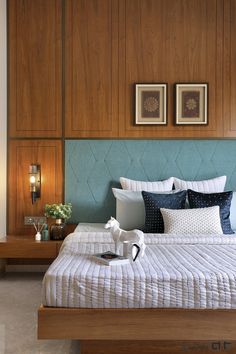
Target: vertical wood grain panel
[47,153]
[170,41]
[35,68]
[91,58]
[233,66]
[229,68]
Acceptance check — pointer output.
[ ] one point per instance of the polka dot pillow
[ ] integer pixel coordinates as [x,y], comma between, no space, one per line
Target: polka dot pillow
[223,200]
[153,202]
[201,221]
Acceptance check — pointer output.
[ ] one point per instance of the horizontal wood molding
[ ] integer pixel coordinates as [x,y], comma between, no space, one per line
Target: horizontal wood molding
[91,76]
[35,68]
[47,153]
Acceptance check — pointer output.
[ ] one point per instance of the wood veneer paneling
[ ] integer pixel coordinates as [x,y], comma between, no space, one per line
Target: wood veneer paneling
[170,41]
[91,79]
[109,46]
[140,324]
[28,250]
[35,67]
[17,248]
[156,347]
[47,153]
[229,92]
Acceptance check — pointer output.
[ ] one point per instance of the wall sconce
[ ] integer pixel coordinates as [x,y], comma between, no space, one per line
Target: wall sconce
[35,182]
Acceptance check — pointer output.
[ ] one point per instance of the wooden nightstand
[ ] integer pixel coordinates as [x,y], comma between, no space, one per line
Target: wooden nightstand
[17,248]
[25,247]
[14,246]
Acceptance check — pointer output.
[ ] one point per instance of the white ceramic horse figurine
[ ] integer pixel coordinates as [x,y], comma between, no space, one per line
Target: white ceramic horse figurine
[119,236]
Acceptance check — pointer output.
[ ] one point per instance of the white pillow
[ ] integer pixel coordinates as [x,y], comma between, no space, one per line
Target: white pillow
[157,186]
[192,221]
[233,212]
[130,208]
[90,227]
[214,185]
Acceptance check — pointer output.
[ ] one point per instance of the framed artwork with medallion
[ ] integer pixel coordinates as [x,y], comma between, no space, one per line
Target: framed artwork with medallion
[191,103]
[151,104]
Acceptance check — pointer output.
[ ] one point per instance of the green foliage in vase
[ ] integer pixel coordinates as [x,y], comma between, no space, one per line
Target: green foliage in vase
[58,211]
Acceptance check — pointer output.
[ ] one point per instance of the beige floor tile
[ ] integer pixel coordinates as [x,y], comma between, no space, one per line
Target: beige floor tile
[20,296]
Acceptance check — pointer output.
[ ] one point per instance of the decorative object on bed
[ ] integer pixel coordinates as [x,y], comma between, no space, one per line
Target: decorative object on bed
[213,185]
[131,250]
[109,258]
[135,238]
[191,103]
[130,209]
[156,186]
[202,200]
[153,202]
[151,104]
[60,212]
[201,221]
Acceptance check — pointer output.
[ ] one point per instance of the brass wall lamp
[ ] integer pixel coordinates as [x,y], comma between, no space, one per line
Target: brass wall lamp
[35,182]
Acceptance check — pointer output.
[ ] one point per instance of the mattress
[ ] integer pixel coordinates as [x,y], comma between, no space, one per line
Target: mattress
[176,272]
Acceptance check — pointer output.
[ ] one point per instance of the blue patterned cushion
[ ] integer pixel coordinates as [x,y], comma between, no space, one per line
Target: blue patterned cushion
[202,200]
[153,202]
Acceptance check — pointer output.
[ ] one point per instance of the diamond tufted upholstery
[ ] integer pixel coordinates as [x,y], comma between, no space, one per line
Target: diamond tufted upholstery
[92,167]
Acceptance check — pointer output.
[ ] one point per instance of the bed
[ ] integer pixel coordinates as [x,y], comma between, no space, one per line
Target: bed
[181,296]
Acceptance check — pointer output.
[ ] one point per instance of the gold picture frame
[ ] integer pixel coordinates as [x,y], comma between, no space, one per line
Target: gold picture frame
[151,104]
[191,103]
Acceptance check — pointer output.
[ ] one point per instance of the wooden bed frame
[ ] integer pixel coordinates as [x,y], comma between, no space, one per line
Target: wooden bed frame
[141,331]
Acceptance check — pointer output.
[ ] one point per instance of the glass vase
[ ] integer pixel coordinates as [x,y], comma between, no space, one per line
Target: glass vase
[57,230]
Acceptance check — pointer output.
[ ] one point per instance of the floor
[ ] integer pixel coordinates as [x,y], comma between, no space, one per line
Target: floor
[19,300]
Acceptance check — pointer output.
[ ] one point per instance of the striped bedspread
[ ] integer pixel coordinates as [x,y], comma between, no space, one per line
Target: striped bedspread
[176,271]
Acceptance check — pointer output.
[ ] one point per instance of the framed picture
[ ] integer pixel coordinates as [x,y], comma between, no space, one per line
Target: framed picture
[150,106]
[191,103]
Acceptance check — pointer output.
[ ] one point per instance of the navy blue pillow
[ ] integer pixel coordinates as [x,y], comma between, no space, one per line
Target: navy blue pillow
[203,200]
[153,202]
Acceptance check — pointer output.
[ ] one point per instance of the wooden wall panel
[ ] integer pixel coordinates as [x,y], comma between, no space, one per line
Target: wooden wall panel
[229,68]
[91,58]
[109,45]
[170,41]
[47,153]
[35,67]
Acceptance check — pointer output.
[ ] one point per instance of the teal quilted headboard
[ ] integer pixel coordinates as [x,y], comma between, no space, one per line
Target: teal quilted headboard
[92,167]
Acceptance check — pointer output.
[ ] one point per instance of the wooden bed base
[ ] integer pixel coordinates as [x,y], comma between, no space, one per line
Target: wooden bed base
[140,331]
